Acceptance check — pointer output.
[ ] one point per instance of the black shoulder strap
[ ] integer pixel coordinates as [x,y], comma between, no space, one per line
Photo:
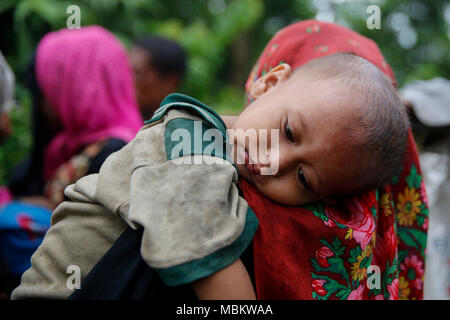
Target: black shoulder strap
[122,274]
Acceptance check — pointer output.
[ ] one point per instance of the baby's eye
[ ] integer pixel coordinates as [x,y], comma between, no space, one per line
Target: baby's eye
[288,132]
[302,179]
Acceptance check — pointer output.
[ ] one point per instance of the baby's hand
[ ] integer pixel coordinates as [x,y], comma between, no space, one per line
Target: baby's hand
[230,283]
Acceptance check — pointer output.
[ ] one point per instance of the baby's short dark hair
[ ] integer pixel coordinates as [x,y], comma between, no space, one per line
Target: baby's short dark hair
[380,131]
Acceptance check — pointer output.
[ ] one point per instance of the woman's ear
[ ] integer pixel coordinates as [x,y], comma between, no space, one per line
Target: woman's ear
[271,79]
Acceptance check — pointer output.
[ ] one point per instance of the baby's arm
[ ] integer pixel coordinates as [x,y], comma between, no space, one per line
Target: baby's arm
[230,283]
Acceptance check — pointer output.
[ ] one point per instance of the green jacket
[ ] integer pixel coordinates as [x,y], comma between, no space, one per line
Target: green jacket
[185,198]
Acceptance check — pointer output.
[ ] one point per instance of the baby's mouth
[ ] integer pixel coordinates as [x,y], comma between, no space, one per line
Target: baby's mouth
[253,168]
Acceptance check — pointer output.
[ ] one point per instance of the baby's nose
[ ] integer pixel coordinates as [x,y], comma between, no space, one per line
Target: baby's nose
[286,159]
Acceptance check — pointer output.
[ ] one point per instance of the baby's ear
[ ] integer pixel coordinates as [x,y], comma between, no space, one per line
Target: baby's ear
[271,79]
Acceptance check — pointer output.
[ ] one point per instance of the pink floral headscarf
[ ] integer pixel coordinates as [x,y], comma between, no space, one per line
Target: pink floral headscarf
[86,77]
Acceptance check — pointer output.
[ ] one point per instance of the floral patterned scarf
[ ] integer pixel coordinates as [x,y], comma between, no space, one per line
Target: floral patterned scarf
[370,246]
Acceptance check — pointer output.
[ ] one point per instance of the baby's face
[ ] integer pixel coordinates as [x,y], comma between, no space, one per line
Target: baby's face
[315,158]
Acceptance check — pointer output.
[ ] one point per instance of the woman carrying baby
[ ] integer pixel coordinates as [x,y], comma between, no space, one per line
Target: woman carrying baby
[369,246]
[314,240]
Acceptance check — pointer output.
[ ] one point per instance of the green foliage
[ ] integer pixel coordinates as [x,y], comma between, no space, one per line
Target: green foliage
[16,147]
[223,39]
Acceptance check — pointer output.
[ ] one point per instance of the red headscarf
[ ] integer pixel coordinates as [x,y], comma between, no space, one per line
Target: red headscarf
[335,252]
[86,77]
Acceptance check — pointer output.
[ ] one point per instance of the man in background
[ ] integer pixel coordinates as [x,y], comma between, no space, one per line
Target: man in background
[159,65]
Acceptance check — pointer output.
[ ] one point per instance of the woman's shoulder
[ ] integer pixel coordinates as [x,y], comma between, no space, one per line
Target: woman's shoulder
[87,161]
[103,151]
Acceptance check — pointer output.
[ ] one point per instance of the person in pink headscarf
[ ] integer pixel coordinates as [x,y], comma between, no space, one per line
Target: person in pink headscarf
[84,108]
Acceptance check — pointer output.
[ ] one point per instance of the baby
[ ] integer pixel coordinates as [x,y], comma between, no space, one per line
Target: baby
[341,130]
[341,124]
